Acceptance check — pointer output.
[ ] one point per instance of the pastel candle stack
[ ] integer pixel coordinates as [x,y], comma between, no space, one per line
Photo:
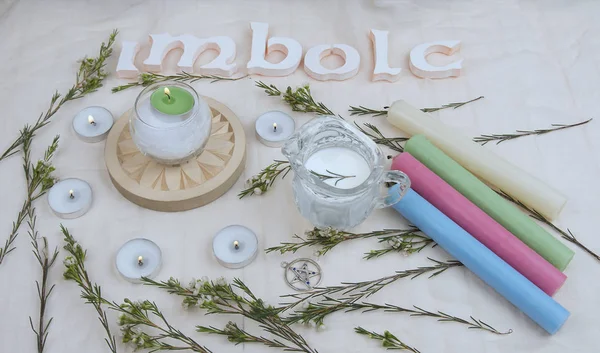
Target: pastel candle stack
[509,283]
[481,226]
[479,160]
[501,210]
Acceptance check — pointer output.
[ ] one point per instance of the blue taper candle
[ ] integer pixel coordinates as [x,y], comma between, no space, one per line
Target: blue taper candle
[517,289]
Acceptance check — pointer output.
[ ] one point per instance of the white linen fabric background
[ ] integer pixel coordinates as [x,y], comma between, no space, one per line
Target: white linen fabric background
[536,63]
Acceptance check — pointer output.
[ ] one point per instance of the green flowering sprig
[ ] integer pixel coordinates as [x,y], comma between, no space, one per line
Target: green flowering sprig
[136,316]
[220,297]
[88,79]
[407,241]
[260,183]
[146,79]
[388,340]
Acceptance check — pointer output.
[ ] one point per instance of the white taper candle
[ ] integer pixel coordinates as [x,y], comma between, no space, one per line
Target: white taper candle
[479,160]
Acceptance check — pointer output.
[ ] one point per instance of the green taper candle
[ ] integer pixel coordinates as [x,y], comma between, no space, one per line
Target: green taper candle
[501,210]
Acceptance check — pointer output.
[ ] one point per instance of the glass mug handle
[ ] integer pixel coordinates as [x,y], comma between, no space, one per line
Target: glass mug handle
[397,177]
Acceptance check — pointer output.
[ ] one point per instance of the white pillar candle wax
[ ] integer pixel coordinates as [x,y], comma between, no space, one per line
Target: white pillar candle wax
[92,124]
[479,160]
[339,167]
[138,258]
[70,198]
[235,246]
[274,128]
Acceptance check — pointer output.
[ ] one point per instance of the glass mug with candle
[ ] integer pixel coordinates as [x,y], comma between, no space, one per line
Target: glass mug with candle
[170,123]
[339,173]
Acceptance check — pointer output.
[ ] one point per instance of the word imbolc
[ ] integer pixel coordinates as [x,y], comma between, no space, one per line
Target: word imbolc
[224,64]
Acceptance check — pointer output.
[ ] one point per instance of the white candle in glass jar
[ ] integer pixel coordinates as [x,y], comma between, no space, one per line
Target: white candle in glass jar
[170,138]
[340,167]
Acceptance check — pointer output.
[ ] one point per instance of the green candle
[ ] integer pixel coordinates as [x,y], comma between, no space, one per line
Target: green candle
[504,212]
[172,100]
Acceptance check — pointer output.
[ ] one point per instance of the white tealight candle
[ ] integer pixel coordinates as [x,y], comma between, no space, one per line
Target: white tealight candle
[274,128]
[340,167]
[70,198]
[92,124]
[138,258]
[235,246]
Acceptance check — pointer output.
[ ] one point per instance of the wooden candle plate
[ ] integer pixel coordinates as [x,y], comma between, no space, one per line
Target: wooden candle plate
[189,185]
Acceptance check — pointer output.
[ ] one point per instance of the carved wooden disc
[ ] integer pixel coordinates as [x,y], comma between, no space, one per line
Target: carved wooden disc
[189,185]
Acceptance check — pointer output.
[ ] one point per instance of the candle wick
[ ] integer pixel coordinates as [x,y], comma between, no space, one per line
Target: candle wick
[236,245]
[71,194]
[140,260]
[167,93]
[274,127]
[91,120]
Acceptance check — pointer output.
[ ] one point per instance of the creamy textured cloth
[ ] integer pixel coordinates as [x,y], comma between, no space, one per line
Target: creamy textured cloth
[536,63]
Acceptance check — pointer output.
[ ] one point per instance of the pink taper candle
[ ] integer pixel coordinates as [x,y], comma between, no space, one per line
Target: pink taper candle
[481,226]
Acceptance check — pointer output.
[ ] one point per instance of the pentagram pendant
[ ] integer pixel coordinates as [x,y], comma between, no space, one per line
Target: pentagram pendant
[302,274]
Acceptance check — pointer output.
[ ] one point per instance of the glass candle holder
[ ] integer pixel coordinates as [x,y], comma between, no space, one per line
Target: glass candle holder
[339,173]
[170,123]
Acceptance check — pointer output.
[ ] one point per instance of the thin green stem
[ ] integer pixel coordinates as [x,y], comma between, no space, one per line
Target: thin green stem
[364,289]
[377,136]
[472,323]
[388,340]
[483,139]
[75,270]
[332,176]
[450,105]
[567,235]
[326,239]
[38,180]
[361,110]
[149,78]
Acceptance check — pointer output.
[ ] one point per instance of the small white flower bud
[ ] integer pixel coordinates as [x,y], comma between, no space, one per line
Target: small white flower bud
[257,191]
[192,283]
